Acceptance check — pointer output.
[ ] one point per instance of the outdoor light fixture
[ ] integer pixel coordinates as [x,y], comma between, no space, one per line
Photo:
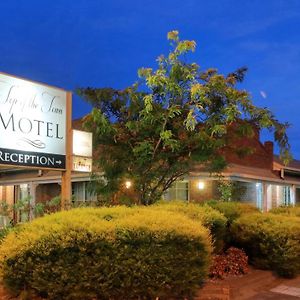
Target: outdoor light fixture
[200,185]
[128,184]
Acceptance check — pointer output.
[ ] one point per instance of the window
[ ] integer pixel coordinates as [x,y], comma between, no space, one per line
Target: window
[287,199]
[6,201]
[23,191]
[81,194]
[178,191]
[282,195]
[297,196]
[23,198]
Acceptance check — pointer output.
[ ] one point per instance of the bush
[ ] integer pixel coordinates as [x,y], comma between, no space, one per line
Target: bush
[4,232]
[233,262]
[271,241]
[207,216]
[107,253]
[287,210]
[232,210]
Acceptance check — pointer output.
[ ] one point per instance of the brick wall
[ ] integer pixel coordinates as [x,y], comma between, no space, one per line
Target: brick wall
[46,192]
[200,195]
[261,155]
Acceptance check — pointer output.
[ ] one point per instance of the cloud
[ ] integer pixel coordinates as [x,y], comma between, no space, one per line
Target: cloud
[263,94]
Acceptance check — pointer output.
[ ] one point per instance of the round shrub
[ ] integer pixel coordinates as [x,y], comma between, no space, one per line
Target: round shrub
[107,253]
[207,216]
[271,241]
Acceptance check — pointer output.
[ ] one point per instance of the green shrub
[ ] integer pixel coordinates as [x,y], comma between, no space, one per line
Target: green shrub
[207,216]
[287,210]
[4,232]
[232,209]
[107,253]
[271,241]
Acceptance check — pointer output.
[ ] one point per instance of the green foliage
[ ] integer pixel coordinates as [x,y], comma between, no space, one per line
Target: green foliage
[4,208]
[22,207]
[225,188]
[55,202]
[210,218]
[271,241]
[107,253]
[5,217]
[39,209]
[287,210]
[173,117]
[232,210]
[4,232]
[230,190]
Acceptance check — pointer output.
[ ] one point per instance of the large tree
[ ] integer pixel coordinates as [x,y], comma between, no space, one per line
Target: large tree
[177,115]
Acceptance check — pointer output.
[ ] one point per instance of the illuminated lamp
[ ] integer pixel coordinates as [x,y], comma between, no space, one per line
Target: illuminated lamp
[128,184]
[200,185]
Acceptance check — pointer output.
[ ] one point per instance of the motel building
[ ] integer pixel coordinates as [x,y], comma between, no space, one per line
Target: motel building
[43,154]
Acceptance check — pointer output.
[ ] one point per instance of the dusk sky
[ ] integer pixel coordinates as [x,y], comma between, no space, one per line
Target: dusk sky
[80,43]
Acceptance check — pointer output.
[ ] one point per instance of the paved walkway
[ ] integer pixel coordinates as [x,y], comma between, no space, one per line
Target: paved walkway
[256,285]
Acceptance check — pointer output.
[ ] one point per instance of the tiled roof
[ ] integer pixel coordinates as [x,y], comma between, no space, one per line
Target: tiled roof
[294,164]
[77,124]
[235,171]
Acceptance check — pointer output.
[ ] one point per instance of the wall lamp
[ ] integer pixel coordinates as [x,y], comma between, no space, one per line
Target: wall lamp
[200,185]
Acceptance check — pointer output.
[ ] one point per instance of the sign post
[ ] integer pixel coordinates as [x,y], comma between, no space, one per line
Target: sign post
[66,185]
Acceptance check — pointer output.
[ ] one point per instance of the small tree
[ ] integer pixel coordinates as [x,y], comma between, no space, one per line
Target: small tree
[175,116]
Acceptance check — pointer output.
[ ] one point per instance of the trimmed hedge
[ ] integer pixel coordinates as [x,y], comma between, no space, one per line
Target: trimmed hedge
[107,253]
[209,217]
[286,210]
[232,210]
[4,232]
[271,241]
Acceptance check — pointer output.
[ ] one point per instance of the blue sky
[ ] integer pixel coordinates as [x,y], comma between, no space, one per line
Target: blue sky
[102,44]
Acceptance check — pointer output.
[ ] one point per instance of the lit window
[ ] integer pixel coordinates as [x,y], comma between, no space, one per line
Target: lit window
[287,196]
[178,191]
[81,193]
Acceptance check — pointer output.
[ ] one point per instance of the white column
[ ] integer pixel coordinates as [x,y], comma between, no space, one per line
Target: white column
[279,195]
[264,197]
[269,197]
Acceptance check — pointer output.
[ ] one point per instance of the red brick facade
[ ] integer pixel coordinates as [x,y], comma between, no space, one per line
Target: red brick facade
[259,156]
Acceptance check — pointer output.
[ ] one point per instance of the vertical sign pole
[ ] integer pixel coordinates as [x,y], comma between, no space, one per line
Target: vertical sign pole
[66,186]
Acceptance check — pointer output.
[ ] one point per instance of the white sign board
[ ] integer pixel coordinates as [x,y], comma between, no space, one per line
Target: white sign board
[82,143]
[82,164]
[32,124]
